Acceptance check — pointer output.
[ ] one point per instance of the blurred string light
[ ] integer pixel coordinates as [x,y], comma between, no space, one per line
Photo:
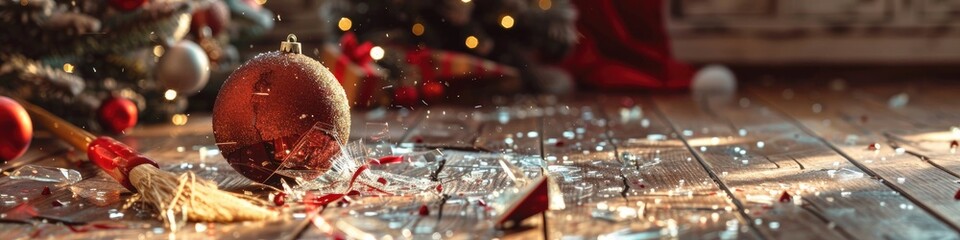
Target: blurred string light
[506,22]
[545,4]
[345,24]
[67,67]
[377,53]
[179,119]
[465,1]
[170,94]
[472,42]
[158,50]
[417,29]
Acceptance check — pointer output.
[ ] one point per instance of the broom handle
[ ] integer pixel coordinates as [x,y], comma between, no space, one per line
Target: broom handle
[114,157]
[75,136]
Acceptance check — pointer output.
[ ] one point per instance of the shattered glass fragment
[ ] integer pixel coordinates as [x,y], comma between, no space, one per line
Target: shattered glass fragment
[47,174]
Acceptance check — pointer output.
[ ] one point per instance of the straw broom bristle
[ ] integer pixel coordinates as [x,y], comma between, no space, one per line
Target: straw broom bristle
[198,199]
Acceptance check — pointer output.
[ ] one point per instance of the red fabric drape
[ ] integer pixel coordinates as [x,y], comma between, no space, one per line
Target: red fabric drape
[625,46]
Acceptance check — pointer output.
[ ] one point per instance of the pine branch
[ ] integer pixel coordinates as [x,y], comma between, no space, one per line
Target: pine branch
[31,78]
[141,28]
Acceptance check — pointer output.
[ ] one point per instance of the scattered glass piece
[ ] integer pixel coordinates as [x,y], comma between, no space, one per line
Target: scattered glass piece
[47,174]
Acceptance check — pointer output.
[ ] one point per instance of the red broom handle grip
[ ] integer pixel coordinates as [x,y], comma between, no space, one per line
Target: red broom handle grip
[116,159]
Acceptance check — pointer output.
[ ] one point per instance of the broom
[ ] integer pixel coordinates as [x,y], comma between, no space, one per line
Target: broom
[198,199]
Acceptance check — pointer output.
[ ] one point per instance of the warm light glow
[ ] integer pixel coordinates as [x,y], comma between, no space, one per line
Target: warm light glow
[261,2]
[472,42]
[377,53]
[68,67]
[545,4]
[465,1]
[158,50]
[345,24]
[170,94]
[179,119]
[417,29]
[506,21]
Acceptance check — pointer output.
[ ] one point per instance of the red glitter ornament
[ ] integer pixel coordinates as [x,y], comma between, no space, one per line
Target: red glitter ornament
[274,103]
[117,114]
[16,129]
[127,5]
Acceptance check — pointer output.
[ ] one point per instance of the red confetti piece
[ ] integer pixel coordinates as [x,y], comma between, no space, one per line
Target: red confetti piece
[481,203]
[424,211]
[957,195]
[57,203]
[873,147]
[439,187]
[785,197]
[280,198]
[46,191]
[382,181]
[387,160]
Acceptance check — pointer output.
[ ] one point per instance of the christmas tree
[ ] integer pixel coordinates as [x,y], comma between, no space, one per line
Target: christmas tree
[104,64]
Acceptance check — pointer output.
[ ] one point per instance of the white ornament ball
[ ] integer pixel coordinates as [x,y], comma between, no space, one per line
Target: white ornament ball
[714,83]
[183,67]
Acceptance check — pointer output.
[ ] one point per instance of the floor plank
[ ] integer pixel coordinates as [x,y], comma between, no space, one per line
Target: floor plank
[828,116]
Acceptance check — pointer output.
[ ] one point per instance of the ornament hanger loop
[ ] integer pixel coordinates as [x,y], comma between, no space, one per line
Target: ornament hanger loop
[290,45]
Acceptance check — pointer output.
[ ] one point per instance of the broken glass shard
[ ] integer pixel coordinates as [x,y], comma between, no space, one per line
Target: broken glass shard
[47,174]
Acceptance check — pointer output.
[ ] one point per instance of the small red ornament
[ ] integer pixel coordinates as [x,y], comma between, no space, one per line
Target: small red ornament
[785,197]
[405,96]
[216,17]
[954,144]
[16,129]
[439,188]
[280,198]
[433,92]
[127,5]
[117,114]
[873,147]
[46,191]
[424,211]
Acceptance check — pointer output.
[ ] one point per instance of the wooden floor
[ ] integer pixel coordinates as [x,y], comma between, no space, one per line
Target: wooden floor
[777,160]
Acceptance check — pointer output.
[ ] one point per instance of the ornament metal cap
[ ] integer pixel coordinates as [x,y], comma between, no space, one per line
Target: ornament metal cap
[291,45]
